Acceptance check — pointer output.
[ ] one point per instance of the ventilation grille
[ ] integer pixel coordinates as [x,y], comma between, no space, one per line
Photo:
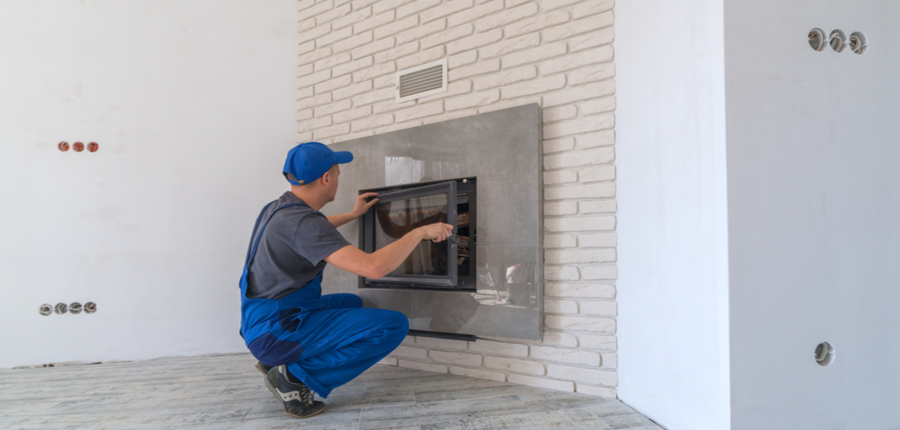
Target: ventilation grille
[428,79]
[422,81]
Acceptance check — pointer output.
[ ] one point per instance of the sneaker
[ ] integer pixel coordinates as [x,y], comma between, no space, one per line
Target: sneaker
[296,397]
[262,367]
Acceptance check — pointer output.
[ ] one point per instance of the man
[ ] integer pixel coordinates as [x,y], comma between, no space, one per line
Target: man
[306,342]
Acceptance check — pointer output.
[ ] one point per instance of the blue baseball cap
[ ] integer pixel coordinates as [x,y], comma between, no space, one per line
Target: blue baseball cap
[307,162]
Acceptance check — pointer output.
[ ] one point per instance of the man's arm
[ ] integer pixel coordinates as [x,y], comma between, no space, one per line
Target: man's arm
[341,219]
[359,209]
[383,261]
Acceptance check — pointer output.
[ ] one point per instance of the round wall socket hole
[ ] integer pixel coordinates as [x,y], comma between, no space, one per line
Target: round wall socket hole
[61,308]
[45,309]
[838,40]
[824,354]
[817,39]
[90,307]
[858,42]
[75,308]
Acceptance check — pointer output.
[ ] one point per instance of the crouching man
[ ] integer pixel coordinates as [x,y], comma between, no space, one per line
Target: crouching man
[305,342]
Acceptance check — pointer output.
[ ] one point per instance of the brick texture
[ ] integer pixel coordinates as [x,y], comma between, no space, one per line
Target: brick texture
[501,53]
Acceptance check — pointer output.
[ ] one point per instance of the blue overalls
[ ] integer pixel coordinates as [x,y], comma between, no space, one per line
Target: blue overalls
[326,341]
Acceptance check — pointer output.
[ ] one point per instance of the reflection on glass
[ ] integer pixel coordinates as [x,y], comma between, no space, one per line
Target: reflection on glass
[394,219]
[403,170]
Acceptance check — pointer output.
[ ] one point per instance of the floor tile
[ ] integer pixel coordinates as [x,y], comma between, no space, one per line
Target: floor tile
[226,392]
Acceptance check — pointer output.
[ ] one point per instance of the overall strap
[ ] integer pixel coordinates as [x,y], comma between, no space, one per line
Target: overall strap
[253,234]
[253,249]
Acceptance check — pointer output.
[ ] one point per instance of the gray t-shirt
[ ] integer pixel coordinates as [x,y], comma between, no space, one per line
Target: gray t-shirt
[292,249]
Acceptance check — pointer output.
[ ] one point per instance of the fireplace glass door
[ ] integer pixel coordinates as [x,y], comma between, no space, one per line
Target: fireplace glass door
[430,265]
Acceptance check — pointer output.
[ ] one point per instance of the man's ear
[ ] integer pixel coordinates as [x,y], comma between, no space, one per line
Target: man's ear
[326,178]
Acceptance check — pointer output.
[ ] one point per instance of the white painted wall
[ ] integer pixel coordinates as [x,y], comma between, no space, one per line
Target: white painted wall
[814,215]
[192,103]
[672,219]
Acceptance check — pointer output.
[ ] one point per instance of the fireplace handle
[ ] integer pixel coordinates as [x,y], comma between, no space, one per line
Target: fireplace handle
[453,237]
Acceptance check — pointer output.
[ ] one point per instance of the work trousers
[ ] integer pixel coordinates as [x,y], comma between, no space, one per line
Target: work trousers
[340,340]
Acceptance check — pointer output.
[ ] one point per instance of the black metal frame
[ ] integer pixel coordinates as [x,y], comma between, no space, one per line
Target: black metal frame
[367,236]
[439,335]
[469,186]
[452,282]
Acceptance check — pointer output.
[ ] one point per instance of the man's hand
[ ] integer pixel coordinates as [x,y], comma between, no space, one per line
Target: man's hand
[359,209]
[361,206]
[437,232]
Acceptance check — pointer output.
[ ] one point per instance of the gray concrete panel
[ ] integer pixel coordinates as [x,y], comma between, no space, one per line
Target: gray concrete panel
[502,150]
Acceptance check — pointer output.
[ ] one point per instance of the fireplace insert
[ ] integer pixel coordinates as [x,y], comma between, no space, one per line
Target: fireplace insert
[448,265]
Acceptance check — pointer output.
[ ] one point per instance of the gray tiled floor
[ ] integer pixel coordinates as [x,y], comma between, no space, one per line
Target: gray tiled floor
[226,392]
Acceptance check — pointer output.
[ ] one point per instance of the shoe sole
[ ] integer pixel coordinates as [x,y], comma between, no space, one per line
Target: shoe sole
[284,405]
[261,370]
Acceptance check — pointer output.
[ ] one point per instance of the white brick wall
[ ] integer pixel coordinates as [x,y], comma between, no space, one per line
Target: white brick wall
[501,53]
